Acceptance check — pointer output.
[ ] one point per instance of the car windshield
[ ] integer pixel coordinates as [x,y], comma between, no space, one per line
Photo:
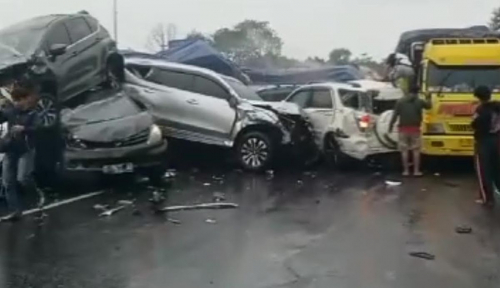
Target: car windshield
[462,79]
[243,91]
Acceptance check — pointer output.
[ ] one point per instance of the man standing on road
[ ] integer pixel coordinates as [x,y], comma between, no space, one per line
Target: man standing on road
[409,111]
[18,146]
[486,125]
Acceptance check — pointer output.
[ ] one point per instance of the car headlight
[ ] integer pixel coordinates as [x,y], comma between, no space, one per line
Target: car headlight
[434,128]
[155,135]
[74,142]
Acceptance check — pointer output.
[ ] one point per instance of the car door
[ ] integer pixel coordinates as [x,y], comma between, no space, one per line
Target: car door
[318,104]
[212,114]
[85,63]
[60,65]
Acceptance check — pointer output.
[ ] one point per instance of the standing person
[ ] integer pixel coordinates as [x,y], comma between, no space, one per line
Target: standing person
[486,125]
[18,146]
[408,111]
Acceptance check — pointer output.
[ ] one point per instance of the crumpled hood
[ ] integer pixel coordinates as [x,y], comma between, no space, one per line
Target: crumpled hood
[112,119]
[281,107]
[10,57]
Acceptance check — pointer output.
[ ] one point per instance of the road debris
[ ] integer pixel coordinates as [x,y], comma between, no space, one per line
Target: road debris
[437,174]
[200,206]
[423,255]
[211,221]
[463,230]
[110,212]
[125,202]
[157,198]
[393,183]
[219,197]
[270,174]
[100,207]
[170,174]
[300,182]
[174,221]
[207,184]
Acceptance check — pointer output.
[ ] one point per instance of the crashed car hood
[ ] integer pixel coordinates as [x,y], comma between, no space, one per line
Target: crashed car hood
[10,57]
[108,120]
[281,107]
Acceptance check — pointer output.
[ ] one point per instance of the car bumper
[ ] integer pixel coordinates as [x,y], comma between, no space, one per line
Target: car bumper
[140,157]
[440,145]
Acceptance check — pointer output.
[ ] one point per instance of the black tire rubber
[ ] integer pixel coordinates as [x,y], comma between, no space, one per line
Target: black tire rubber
[334,157]
[156,173]
[245,142]
[113,77]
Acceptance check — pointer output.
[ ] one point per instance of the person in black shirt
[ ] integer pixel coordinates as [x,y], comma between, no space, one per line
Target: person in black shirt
[19,147]
[486,125]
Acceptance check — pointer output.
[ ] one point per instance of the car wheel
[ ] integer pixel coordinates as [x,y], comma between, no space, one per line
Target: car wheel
[112,77]
[334,155]
[255,151]
[47,110]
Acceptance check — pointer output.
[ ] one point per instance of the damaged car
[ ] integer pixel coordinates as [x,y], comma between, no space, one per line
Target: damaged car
[344,122]
[64,54]
[199,105]
[113,136]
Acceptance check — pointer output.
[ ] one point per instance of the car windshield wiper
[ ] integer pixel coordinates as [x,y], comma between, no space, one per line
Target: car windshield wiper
[441,84]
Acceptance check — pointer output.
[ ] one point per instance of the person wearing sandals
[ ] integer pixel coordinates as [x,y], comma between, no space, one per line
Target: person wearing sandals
[408,111]
[486,126]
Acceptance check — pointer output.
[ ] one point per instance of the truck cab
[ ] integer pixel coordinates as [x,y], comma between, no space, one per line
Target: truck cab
[448,71]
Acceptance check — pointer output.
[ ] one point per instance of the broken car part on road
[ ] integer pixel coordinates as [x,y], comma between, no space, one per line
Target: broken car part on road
[219,205]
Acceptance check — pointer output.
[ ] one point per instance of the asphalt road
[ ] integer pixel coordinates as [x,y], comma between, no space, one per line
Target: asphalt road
[295,229]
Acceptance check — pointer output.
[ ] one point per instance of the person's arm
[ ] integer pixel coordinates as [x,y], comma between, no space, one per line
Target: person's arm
[481,120]
[35,124]
[426,104]
[395,116]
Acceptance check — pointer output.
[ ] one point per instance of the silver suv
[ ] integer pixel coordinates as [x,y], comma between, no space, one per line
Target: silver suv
[199,105]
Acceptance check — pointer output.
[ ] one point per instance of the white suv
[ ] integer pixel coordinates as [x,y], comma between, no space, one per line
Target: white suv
[343,120]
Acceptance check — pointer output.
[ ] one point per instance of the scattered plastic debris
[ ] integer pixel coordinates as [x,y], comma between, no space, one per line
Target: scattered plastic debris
[211,221]
[200,206]
[300,182]
[393,183]
[219,197]
[110,212]
[270,174]
[207,184]
[463,230]
[437,174]
[125,202]
[157,198]
[100,207]
[174,221]
[423,255]
[170,174]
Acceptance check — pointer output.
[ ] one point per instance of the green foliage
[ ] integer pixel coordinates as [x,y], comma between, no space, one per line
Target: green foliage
[495,20]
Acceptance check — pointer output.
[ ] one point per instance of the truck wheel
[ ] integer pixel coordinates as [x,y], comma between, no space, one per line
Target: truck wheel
[255,151]
[335,157]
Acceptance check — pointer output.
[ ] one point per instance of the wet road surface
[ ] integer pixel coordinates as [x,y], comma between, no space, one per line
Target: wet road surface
[298,230]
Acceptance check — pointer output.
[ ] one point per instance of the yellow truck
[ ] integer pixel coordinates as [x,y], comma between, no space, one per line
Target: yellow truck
[447,70]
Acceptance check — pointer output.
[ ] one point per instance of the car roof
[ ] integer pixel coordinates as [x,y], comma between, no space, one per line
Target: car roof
[171,65]
[333,85]
[41,22]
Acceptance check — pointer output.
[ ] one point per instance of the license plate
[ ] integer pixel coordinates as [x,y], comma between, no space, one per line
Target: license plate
[118,168]
[466,142]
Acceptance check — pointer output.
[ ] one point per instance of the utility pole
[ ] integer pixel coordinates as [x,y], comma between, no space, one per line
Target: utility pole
[115,19]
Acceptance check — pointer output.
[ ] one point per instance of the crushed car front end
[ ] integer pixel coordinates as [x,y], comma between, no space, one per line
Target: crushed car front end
[119,144]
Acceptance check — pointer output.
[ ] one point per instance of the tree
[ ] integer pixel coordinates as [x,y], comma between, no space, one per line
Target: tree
[247,41]
[160,35]
[495,20]
[340,56]
[195,35]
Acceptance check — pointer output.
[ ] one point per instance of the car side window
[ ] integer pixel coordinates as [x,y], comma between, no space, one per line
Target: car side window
[78,29]
[301,98]
[208,87]
[93,24]
[58,35]
[321,98]
[172,79]
[349,98]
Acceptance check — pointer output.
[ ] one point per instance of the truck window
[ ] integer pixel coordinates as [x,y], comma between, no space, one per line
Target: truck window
[462,79]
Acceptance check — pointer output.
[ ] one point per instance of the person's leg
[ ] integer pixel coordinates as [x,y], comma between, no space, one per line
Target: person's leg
[9,172]
[496,167]
[483,165]
[404,149]
[25,175]
[417,146]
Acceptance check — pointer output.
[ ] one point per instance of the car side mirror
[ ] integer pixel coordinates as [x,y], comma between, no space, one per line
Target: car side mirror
[57,49]
[233,101]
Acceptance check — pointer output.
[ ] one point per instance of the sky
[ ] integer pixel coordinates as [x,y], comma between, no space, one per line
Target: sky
[307,27]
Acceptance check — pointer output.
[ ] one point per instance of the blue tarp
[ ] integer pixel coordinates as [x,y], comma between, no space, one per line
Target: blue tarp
[303,76]
[200,53]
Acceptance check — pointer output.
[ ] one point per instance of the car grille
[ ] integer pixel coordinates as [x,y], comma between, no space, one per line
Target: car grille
[139,138]
[460,128]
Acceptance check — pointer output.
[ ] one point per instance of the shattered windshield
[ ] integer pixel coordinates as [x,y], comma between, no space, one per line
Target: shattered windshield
[23,40]
[462,79]
[243,91]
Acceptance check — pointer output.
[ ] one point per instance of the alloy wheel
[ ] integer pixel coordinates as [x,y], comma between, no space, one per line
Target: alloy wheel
[47,112]
[255,152]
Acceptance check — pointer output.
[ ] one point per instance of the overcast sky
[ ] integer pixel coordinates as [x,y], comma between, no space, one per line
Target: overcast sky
[307,27]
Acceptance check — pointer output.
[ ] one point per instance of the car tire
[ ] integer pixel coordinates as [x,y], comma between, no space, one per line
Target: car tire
[335,157]
[47,110]
[255,151]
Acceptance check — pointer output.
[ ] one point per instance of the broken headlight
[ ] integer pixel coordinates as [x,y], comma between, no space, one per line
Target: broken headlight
[73,142]
[155,135]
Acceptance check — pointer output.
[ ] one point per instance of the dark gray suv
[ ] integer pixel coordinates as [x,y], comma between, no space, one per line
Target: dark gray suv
[65,54]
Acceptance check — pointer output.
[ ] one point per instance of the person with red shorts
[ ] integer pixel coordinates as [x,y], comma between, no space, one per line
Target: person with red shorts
[408,111]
